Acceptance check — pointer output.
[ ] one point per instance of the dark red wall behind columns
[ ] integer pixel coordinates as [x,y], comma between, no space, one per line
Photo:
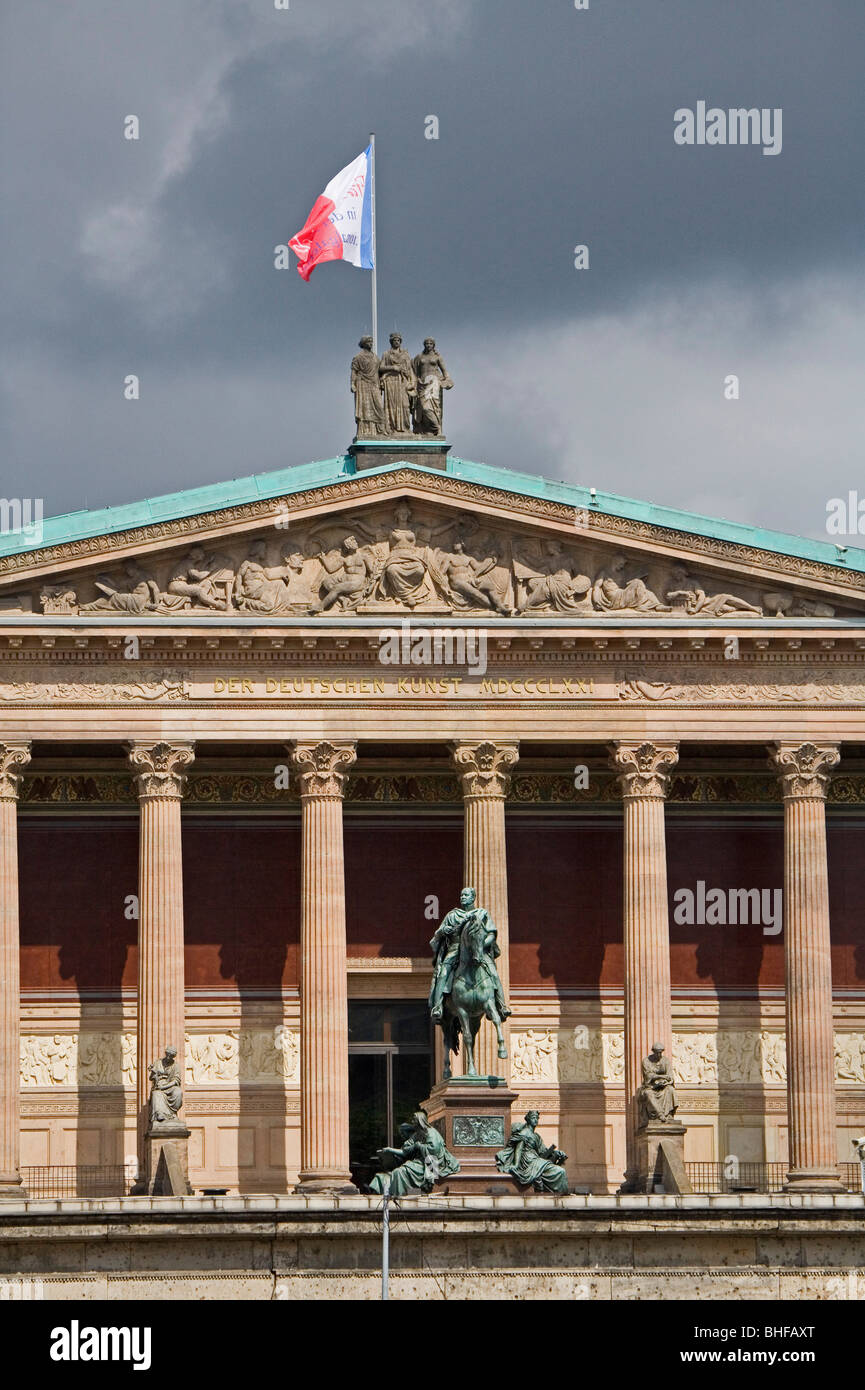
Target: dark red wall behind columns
[242,901]
[389,874]
[565,893]
[565,905]
[74,877]
[241,890]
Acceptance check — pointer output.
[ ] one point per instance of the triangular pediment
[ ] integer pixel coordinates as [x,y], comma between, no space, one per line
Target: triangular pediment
[404,540]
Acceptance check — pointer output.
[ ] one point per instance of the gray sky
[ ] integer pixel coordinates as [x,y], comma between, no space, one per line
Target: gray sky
[556,128]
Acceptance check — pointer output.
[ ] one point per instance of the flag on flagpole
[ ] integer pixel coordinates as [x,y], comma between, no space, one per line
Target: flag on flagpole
[339,227]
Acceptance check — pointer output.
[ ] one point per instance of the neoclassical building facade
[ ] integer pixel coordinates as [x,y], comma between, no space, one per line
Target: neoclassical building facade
[254,739]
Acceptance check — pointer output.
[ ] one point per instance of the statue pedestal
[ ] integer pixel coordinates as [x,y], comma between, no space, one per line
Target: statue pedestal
[473,1114]
[166,1162]
[427,450]
[660,1157]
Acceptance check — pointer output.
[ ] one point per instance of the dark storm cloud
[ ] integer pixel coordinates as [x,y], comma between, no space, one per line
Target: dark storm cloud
[556,128]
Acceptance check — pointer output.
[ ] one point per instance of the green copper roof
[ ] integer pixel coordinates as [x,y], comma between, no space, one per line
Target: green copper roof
[284,482]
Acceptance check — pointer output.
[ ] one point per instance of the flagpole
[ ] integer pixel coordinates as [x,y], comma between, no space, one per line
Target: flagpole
[374,255]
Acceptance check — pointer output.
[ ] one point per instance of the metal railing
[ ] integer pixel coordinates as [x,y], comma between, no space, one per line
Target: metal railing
[116,1179]
[76,1180]
[754,1177]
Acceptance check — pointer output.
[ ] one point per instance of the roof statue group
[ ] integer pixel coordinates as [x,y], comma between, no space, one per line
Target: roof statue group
[396,395]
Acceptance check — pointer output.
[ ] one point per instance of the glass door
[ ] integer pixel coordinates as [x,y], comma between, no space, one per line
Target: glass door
[390,1073]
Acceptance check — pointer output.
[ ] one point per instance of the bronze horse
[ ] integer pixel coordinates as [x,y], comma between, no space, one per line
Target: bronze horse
[472,996]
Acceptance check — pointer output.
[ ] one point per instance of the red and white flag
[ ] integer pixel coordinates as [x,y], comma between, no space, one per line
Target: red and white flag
[339,227]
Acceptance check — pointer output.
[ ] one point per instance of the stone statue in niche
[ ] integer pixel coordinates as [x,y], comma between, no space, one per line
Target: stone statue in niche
[684,593]
[399,386]
[366,389]
[432,381]
[418,1164]
[611,592]
[656,1098]
[532,1162]
[166,1095]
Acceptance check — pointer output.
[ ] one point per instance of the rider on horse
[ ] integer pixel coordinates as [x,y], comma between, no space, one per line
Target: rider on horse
[445,947]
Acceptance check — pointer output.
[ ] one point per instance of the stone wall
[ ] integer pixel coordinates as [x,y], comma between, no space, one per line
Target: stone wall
[571,1249]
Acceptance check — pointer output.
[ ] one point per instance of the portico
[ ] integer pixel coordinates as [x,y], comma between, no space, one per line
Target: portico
[299,814]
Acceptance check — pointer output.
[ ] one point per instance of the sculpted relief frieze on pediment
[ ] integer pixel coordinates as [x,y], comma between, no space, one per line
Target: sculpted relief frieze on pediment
[403,559]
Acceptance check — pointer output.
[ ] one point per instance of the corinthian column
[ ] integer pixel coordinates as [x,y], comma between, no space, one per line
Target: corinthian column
[322,768]
[159,769]
[643,772]
[804,771]
[13,757]
[484,770]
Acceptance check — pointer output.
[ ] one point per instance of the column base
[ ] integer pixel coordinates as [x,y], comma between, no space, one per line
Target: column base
[314,1185]
[12,1187]
[166,1163]
[814,1180]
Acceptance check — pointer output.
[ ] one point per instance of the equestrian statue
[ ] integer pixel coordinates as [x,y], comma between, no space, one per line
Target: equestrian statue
[466,987]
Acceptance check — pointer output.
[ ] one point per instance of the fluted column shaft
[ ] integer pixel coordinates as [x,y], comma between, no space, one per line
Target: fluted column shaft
[484,770]
[804,771]
[643,775]
[160,774]
[324,1153]
[13,757]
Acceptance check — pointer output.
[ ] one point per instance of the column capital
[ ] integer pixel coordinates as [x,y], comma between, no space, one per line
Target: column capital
[13,757]
[643,768]
[804,769]
[484,768]
[159,769]
[323,767]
